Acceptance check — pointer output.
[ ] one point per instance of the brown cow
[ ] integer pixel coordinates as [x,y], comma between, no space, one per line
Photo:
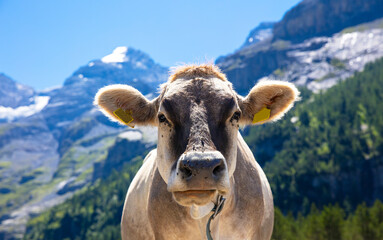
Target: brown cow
[200,157]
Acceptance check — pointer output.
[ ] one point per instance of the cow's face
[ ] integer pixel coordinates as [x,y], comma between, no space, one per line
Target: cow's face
[198,117]
[198,121]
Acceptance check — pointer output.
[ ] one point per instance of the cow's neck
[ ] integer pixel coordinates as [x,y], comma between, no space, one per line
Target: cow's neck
[203,213]
[198,212]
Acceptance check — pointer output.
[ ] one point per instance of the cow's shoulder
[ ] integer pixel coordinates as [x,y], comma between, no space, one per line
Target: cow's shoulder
[135,222]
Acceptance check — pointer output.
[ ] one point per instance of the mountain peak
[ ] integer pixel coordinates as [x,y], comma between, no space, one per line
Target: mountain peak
[118,55]
[124,65]
[124,54]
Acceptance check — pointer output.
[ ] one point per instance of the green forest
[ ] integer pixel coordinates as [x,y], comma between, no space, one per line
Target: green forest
[320,160]
[329,148]
[92,214]
[331,223]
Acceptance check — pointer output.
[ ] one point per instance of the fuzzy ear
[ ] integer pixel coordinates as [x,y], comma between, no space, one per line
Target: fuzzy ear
[129,99]
[277,96]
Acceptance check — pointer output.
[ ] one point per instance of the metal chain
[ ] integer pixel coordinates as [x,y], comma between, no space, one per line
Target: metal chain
[216,209]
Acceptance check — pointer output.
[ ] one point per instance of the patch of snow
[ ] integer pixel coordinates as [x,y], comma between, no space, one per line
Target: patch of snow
[131,135]
[91,64]
[21,87]
[140,65]
[64,183]
[263,34]
[348,39]
[117,56]
[63,123]
[149,134]
[24,111]
[49,89]
[370,35]
[100,130]
[57,104]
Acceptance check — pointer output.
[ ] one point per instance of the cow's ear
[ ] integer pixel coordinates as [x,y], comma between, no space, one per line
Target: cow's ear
[268,101]
[121,103]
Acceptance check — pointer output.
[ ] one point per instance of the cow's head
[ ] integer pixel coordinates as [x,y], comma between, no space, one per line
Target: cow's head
[198,115]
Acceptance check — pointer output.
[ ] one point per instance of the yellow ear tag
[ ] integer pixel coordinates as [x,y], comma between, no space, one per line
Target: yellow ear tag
[125,117]
[262,115]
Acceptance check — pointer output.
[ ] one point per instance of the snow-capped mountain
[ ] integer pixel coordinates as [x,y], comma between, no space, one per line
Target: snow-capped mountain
[52,143]
[123,66]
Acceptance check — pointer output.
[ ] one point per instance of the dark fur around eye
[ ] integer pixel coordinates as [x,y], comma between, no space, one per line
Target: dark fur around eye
[162,118]
[236,116]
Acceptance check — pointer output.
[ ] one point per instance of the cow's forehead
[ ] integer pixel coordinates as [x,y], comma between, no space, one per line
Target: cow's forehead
[203,88]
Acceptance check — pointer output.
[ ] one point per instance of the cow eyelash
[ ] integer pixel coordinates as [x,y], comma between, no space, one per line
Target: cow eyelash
[236,116]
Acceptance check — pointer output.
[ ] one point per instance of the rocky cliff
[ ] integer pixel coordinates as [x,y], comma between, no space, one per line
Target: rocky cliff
[313,18]
[317,62]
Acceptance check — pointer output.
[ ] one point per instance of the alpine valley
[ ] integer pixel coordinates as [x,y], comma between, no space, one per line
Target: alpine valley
[329,149]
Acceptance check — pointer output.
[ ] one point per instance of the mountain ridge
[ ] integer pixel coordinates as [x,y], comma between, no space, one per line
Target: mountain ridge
[53,152]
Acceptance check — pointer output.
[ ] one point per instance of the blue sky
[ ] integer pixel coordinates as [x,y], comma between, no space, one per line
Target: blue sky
[42,42]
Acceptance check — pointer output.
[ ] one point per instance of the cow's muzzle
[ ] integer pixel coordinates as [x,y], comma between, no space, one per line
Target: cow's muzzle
[198,177]
[196,166]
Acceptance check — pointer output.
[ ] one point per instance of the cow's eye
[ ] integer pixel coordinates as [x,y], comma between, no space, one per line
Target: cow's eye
[236,116]
[162,118]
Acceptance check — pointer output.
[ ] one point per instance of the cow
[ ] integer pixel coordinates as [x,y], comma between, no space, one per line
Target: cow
[202,181]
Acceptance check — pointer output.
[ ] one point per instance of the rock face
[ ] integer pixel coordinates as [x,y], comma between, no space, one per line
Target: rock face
[246,66]
[338,58]
[312,18]
[49,150]
[318,62]
[312,28]
[13,94]
[262,32]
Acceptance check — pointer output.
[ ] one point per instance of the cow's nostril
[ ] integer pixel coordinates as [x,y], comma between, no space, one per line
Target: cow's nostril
[218,169]
[186,171]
